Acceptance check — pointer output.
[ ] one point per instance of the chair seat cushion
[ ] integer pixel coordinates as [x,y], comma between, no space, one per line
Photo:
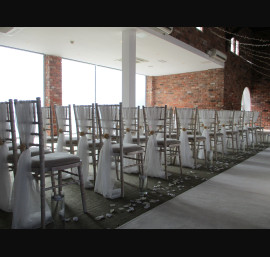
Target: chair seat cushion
[97,143]
[127,148]
[35,151]
[231,132]
[74,140]
[198,138]
[142,138]
[55,159]
[218,134]
[169,141]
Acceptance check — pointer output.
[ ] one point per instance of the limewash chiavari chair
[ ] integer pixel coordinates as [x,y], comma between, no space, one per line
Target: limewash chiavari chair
[206,117]
[89,138]
[257,123]
[232,132]
[254,128]
[224,121]
[139,137]
[243,129]
[49,138]
[8,158]
[187,121]
[110,122]
[216,136]
[158,144]
[131,129]
[184,122]
[66,140]
[30,208]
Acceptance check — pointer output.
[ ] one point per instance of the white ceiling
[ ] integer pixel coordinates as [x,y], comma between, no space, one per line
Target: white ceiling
[103,46]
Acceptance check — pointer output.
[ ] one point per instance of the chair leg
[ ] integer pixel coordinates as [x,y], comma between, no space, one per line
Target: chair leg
[42,199]
[195,154]
[94,165]
[59,182]
[53,183]
[122,178]
[180,161]
[205,157]
[82,189]
[165,162]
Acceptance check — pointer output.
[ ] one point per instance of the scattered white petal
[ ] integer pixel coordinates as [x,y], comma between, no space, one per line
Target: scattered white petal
[108,215]
[75,219]
[130,209]
[99,217]
[147,205]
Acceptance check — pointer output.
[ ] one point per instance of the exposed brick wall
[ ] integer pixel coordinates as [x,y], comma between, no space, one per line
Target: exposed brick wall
[53,80]
[195,88]
[53,83]
[260,98]
[204,89]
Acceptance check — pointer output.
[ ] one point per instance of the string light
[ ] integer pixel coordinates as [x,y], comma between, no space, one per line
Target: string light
[249,52]
[235,34]
[250,44]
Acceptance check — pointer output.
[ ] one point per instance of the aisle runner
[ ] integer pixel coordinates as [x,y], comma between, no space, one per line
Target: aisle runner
[237,198]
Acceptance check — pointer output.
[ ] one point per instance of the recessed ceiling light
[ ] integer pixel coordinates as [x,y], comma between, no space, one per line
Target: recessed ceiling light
[138,60]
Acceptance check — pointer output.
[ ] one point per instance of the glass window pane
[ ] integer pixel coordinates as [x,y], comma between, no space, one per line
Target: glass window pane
[108,85]
[21,75]
[140,89]
[78,82]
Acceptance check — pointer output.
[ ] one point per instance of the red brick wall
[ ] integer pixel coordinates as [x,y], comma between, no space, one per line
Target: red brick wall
[204,89]
[53,80]
[195,88]
[260,98]
[53,83]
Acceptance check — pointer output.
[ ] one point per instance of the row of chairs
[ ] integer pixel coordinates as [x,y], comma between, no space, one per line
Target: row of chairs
[129,137]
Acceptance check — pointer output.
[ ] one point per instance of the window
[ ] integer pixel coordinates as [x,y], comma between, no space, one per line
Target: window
[84,83]
[108,85]
[234,46]
[21,75]
[140,90]
[200,28]
[246,102]
[78,82]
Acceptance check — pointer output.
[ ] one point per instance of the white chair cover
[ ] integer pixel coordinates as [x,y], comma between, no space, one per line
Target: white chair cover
[61,141]
[254,120]
[26,193]
[206,117]
[82,114]
[237,121]
[185,118]
[152,163]
[128,116]
[224,118]
[5,180]
[105,177]
[247,118]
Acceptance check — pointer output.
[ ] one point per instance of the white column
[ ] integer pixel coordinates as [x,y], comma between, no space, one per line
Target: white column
[128,68]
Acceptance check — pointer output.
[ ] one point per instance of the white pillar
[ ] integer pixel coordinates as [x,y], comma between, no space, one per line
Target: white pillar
[129,68]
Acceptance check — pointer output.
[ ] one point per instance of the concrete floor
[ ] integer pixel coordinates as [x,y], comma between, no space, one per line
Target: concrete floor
[238,198]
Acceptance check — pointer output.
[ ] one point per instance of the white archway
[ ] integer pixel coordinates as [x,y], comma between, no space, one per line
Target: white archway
[246,102]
